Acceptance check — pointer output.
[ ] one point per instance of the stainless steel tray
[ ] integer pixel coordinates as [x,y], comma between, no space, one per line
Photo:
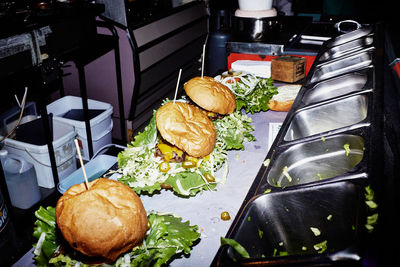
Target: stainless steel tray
[345,64]
[326,152]
[346,48]
[341,85]
[350,36]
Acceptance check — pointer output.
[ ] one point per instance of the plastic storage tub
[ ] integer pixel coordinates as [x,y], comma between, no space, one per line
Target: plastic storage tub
[94,169]
[100,125]
[38,155]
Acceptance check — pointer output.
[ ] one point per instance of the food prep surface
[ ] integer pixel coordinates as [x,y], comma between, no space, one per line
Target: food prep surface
[205,209]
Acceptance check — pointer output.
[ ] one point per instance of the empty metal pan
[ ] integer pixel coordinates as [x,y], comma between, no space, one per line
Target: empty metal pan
[347,37]
[338,86]
[342,65]
[327,116]
[346,48]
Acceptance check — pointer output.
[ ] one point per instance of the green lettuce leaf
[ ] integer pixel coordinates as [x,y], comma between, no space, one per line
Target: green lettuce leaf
[188,183]
[167,237]
[146,138]
[46,225]
[234,130]
[236,246]
[252,93]
[149,135]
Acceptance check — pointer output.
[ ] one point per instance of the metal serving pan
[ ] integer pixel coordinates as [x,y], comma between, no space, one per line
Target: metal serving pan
[298,223]
[342,85]
[346,64]
[346,48]
[335,156]
[329,116]
[348,37]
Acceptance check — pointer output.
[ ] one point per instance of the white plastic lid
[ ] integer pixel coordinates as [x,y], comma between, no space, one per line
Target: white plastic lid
[3,153]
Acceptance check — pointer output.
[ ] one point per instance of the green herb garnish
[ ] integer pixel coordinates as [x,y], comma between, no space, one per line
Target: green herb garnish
[236,246]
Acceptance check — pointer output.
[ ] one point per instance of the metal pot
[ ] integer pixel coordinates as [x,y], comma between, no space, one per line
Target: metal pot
[256,29]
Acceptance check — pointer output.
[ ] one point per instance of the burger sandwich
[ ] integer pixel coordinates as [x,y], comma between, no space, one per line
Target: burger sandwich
[105,223]
[186,142]
[211,95]
[186,127]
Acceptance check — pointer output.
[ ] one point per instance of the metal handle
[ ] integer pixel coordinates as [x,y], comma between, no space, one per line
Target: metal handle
[338,24]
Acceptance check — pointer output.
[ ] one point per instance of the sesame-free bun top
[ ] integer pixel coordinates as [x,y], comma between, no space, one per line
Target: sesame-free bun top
[104,221]
[284,100]
[211,95]
[186,127]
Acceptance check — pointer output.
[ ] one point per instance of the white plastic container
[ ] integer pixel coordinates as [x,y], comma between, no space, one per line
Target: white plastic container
[94,169]
[99,139]
[38,155]
[100,126]
[255,5]
[21,180]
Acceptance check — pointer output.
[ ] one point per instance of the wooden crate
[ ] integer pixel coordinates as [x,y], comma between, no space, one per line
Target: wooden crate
[288,68]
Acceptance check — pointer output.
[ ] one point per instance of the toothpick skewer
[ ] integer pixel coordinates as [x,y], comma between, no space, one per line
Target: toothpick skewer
[202,61]
[177,84]
[82,165]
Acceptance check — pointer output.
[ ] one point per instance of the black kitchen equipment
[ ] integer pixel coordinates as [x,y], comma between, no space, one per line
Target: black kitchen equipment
[220,19]
[220,34]
[216,54]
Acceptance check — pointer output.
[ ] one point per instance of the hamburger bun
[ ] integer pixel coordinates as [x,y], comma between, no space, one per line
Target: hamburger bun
[104,221]
[211,95]
[283,101]
[186,127]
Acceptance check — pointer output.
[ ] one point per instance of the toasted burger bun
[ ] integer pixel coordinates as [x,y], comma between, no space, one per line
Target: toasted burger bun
[187,128]
[283,101]
[104,221]
[211,95]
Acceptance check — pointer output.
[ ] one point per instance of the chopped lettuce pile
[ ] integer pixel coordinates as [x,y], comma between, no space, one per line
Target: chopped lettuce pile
[140,167]
[168,236]
[252,93]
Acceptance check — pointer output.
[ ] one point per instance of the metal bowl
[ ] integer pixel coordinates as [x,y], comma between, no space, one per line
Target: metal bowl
[256,29]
